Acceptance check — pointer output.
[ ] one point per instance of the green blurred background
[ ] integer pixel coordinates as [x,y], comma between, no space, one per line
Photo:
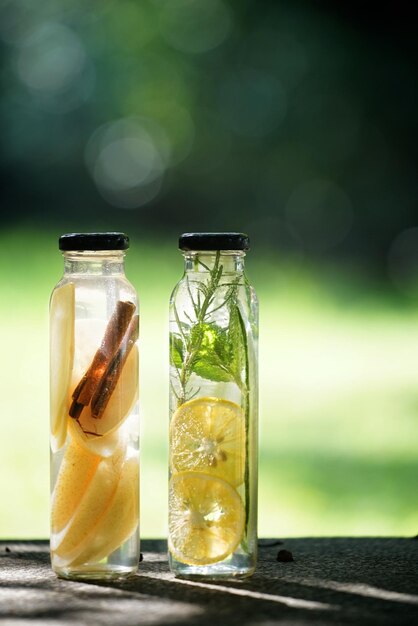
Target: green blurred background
[292,121]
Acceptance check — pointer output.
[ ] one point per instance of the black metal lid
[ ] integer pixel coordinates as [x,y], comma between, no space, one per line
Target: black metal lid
[94,241]
[214,241]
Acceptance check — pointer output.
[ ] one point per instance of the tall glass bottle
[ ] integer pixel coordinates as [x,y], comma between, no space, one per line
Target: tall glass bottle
[94,411]
[213,411]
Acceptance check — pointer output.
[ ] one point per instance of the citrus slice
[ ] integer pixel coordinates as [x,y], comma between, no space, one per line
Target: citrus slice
[68,543]
[62,310]
[206,519]
[208,435]
[119,521]
[87,429]
[76,471]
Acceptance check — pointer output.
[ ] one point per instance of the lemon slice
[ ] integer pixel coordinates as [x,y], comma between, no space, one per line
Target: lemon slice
[208,435]
[62,311]
[76,471]
[206,520]
[68,543]
[120,520]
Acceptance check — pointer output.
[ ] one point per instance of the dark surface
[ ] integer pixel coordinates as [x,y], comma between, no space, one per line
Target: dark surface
[331,581]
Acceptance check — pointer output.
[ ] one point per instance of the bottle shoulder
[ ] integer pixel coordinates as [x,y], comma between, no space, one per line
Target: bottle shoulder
[193,302]
[130,287]
[90,287]
[178,287]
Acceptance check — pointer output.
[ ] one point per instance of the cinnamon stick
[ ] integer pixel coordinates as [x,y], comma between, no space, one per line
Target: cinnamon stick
[76,408]
[109,380]
[111,342]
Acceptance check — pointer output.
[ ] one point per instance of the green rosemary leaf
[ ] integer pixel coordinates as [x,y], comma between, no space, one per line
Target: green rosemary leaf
[204,290]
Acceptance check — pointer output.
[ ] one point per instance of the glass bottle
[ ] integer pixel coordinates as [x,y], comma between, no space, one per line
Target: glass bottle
[94,411]
[213,411]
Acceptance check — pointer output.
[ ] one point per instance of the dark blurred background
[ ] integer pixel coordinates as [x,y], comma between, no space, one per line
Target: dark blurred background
[292,121]
[295,120]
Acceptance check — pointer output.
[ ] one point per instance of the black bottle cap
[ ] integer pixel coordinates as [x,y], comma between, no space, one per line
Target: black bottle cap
[79,242]
[214,241]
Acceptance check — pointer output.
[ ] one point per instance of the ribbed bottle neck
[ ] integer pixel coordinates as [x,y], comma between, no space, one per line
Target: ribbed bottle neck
[232,261]
[100,263]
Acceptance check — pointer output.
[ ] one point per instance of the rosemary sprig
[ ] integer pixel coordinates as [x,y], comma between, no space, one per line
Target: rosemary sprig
[202,347]
[193,341]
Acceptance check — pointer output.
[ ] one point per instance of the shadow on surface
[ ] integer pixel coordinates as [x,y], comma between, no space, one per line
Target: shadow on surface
[331,581]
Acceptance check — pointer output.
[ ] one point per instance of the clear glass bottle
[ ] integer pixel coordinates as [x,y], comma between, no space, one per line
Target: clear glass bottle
[213,411]
[94,411]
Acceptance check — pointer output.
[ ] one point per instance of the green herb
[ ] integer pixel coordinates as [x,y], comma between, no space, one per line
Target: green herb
[204,348]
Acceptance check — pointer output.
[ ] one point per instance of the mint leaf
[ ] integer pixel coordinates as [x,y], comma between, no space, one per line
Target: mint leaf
[176,350]
[211,359]
[212,371]
[237,341]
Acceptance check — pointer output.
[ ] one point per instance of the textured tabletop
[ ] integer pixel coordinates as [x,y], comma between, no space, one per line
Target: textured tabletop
[331,581]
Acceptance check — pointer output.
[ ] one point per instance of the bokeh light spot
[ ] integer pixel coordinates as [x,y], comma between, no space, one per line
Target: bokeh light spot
[126,163]
[127,160]
[51,59]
